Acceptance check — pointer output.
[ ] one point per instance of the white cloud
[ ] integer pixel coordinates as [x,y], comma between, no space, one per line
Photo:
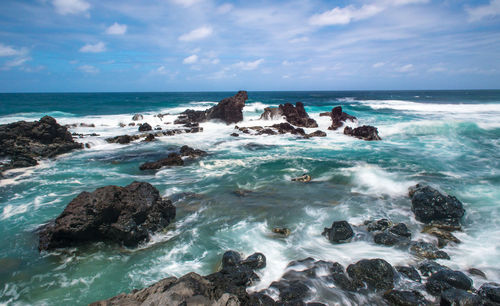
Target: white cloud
[161,70]
[17,62]
[196,34]
[248,65]
[190,59]
[344,15]
[116,29]
[65,7]
[489,10]
[9,51]
[95,48]
[405,68]
[378,65]
[88,69]
[187,3]
[225,8]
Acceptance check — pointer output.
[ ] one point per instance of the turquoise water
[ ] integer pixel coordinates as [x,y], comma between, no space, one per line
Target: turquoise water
[449,139]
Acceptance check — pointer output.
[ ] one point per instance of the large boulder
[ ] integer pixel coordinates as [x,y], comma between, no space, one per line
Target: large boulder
[405,298]
[341,231]
[490,291]
[447,279]
[430,206]
[297,115]
[375,273]
[145,127]
[126,215]
[224,288]
[229,110]
[23,142]
[339,117]
[365,132]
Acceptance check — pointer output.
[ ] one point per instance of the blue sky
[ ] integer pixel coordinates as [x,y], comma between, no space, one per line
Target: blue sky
[209,45]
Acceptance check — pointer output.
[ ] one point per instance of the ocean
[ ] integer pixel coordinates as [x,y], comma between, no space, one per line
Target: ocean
[448,139]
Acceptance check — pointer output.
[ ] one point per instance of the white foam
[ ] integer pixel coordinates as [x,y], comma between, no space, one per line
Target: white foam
[432,107]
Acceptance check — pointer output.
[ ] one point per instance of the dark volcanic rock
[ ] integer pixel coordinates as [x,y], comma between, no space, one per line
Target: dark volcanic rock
[340,232]
[405,298]
[137,117]
[375,273]
[226,287]
[173,159]
[188,151]
[149,138]
[229,110]
[388,233]
[427,250]
[365,132]
[458,297]
[121,214]
[271,113]
[22,142]
[297,115]
[122,139]
[338,117]
[429,205]
[446,279]
[317,133]
[409,272]
[429,267]
[145,127]
[285,127]
[490,291]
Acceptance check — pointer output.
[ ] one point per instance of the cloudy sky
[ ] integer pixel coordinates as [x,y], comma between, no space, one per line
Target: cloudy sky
[205,45]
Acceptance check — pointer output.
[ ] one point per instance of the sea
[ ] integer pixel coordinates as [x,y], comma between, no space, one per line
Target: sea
[233,197]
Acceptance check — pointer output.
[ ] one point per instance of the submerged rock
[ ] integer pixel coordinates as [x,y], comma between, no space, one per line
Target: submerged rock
[341,231]
[339,117]
[427,250]
[297,115]
[453,296]
[126,215]
[365,132]
[429,205]
[305,178]
[375,273]
[173,159]
[429,267]
[23,142]
[409,272]
[226,287]
[190,152]
[283,231]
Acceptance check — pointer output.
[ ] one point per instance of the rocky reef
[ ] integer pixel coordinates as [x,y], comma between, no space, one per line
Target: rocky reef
[125,215]
[228,110]
[365,132]
[24,142]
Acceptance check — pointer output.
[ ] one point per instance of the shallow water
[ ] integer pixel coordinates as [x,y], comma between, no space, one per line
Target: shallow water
[449,139]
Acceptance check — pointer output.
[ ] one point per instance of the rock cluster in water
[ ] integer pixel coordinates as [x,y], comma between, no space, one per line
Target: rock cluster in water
[23,142]
[173,159]
[339,117]
[228,110]
[365,132]
[126,215]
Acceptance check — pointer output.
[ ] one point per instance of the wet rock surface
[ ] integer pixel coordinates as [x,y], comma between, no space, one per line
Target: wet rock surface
[339,117]
[271,113]
[405,298]
[228,110]
[427,250]
[173,159]
[375,273]
[365,132]
[126,215]
[340,232]
[24,142]
[429,205]
[297,115]
[447,279]
[226,287]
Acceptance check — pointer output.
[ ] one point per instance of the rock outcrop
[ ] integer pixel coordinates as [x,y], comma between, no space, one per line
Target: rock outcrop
[375,273]
[225,288]
[297,115]
[229,110]
[173,159]
[340,232]
[145,127]
[23,142]
[339,117]
[365,132]
[126,215]
[271,113]
[430,206]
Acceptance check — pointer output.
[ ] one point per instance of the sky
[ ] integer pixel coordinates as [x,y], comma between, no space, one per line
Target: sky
[211,45]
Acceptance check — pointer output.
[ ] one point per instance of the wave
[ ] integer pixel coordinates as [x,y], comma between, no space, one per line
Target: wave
[403,105]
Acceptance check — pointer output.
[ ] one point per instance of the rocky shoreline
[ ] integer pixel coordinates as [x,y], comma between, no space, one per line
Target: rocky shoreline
[128,216]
